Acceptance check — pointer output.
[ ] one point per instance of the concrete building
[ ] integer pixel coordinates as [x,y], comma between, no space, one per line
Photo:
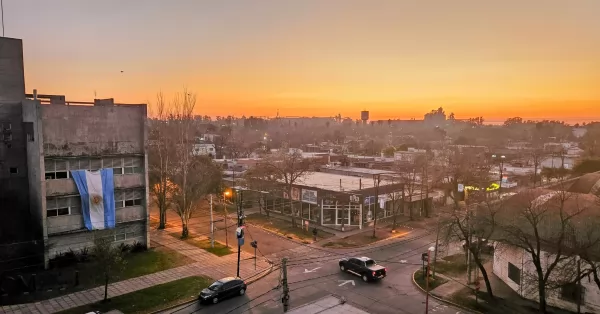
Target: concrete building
[45,137]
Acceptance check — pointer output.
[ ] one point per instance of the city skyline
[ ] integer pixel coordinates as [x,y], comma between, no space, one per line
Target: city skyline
[396,59]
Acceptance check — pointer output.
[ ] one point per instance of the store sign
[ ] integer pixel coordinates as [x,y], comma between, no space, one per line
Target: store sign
[295,194]
[309,196]
[354,198]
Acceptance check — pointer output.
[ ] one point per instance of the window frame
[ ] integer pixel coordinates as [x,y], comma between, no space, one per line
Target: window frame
[118,164]
[571,296]
[73,202]
[129,198]
[511,273]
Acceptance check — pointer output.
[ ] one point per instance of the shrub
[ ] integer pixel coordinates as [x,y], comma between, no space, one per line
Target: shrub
[125,248]
[84,255]
[138,247]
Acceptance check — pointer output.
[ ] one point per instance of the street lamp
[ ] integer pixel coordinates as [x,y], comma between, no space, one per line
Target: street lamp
[501,158]
[431,249]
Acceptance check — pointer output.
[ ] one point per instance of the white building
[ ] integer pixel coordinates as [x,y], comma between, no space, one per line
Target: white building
[514,265]
[204,149]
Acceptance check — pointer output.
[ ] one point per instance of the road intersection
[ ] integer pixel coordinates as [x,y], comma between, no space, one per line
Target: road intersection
[313,273]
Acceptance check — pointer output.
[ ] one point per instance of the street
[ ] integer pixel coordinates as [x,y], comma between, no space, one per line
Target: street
[314,273]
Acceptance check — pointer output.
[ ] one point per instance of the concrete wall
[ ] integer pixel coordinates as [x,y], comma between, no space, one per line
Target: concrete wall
[93,130]
[77,241]
[14,187]
[74,222]
[12,74]
[504,254]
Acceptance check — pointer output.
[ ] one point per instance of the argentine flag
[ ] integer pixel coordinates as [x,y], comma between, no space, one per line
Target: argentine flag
[97,190]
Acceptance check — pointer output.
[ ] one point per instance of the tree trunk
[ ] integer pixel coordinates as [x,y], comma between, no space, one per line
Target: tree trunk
[162,217]
[488,286]
[292,207]
[542,294]
[105,287]
[184,230]
[395,213]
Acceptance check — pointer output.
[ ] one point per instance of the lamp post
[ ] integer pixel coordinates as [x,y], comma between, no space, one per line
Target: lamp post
[501,164]
[431,249]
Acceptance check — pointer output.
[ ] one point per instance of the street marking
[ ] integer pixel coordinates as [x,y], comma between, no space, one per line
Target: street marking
[403,261]
[306,271]
[345,282]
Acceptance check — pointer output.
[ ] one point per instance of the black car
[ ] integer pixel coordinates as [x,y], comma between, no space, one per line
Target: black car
[364,267]
[223,289]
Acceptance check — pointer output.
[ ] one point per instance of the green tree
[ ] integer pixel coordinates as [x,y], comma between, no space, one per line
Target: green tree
[109,258]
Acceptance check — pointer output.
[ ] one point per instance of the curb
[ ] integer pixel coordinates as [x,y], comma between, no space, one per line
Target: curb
[439,298]
[261,275]
[361,246]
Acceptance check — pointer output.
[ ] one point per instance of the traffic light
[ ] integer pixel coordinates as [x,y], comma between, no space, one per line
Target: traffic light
[254,244]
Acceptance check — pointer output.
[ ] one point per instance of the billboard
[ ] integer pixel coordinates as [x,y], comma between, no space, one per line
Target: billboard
[309,196]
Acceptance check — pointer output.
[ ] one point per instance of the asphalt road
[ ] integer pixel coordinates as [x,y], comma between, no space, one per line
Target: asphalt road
[314,273]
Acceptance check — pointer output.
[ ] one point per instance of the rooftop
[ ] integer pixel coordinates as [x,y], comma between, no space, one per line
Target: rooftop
[336,182]
[358,170]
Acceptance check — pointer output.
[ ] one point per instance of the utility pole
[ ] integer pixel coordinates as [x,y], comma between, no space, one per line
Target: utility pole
[579,288]
[427,281]
[376,180]
[286,297]
[468,245]
[212,225]
[240,230]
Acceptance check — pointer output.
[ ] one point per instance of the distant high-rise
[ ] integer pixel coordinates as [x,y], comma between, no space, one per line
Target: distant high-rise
[364,116]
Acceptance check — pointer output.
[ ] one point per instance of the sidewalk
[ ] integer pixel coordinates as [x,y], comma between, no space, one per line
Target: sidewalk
[206,264]
[509,301]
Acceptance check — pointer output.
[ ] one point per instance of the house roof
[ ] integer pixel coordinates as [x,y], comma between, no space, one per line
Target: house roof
[588,183]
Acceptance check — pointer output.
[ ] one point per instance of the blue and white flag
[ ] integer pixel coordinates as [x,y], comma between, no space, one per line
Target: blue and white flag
[97,190]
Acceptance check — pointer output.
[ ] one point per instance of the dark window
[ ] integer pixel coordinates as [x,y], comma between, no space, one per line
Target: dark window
[62,175]
[117,170]
[28,126]
[571,292]
[137,202]
[50,175]
[14,170]
[514,273]
[129,203]
[119,237]
[371,263]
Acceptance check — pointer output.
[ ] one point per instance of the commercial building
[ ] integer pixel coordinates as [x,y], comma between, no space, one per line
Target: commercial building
[44,139]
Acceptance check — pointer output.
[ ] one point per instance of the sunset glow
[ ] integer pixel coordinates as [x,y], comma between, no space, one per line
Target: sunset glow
[398,59]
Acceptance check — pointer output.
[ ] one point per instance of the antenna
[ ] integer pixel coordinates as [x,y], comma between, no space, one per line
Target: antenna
[2,10]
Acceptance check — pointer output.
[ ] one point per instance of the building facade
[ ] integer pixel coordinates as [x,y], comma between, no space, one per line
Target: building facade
[71,137]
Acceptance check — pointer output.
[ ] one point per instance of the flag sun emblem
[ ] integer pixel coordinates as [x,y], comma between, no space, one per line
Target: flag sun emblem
[96,199]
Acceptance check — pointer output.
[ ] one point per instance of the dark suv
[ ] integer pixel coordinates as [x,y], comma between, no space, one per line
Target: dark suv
[223,289]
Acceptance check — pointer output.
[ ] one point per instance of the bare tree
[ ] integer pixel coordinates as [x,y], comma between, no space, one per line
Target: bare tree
[408,171]
[288,168]
[193,177]
[474,225]
[540,222]
[159,159]
[109,258]
[396,201]
[536,156]
[261,179]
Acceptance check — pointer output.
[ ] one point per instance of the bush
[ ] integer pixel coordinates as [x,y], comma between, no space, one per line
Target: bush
[138,247]
[125,248]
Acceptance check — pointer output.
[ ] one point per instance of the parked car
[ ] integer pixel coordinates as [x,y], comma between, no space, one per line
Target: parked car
[223,289]
[363,267]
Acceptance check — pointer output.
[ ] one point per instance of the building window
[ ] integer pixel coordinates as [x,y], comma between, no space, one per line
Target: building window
[14,170]
[128,198]
[56,169]
[514,273]
[60,168]
[572,292]
[61,206]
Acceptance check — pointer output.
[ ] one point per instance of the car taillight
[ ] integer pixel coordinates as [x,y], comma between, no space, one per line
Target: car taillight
[373,273]
[385,270]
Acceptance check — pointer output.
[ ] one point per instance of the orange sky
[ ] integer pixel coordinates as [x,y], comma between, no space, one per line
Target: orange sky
[398,59]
